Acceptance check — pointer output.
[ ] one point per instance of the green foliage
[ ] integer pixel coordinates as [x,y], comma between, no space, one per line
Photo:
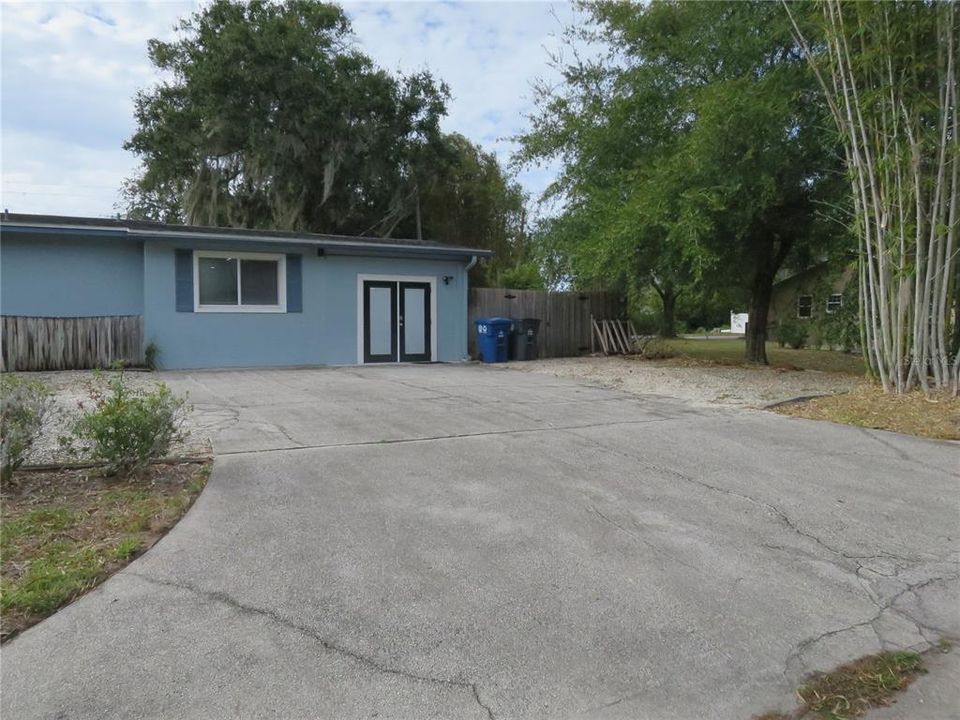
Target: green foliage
[694,151]
[127,547]
[840,328]
[889,73]
[525,276]
[851,690]
[269,117]
[23,406]
[792,333]
[63,532]
[467,199]
[59,575]
[41,520]
[129,427]
[151,356]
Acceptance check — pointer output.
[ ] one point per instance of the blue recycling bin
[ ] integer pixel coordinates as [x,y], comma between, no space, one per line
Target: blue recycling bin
[493,338]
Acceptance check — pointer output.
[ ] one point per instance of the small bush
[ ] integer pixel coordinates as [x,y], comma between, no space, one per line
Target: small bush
[841,328]
[792,333]
[151,356]
[651,347]
[129,427]
[646,320]
[23,406]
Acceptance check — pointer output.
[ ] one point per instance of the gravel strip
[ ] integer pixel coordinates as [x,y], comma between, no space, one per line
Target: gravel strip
[728,386]
[71,397]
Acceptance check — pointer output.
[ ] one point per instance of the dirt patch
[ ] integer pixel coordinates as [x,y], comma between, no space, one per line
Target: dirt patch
[698,383]
[64,532]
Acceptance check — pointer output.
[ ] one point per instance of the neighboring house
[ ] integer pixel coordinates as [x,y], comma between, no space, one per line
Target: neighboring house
[809,295]
[218,297]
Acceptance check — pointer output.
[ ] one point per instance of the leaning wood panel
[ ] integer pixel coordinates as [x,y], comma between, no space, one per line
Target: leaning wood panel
[70,343]
[565,317]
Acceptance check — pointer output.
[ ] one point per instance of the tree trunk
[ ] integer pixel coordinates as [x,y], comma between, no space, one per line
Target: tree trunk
[668,297]
[955,342]
[759,309]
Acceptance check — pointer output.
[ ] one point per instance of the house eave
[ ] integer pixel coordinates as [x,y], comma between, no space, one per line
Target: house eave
[336,245]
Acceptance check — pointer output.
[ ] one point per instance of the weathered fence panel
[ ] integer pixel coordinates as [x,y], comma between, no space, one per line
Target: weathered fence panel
[564,316]
[70,343]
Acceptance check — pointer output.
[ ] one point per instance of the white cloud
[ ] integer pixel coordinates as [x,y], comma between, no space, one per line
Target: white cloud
[70,71]
[48,175]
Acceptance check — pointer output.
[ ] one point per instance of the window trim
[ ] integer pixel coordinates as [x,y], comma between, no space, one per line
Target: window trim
[804,317]
[839,303]
[279,258]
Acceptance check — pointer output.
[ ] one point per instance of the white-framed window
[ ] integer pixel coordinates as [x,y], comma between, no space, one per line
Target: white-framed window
[804,306]
[239,282]
[834,303]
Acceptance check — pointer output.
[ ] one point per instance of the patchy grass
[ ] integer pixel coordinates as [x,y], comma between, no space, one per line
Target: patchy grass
[934,416]
[64,532]
[730,352]
[851,690]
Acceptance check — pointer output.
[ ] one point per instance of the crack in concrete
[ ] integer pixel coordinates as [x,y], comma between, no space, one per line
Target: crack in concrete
[796,655]
[784,518]
[303,630]
[455,436]
[716,488]
[639,538]
[899,452]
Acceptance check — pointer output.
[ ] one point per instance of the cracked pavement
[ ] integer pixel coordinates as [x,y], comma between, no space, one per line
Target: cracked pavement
[460,541]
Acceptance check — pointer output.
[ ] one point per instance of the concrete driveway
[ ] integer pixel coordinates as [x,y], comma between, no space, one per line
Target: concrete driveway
[457,541]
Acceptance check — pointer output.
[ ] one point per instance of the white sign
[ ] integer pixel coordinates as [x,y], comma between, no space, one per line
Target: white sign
[738,323]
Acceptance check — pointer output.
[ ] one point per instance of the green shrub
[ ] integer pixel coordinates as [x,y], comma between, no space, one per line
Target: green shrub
[151,356]
[793,333]
[23,406]
[525,276]
[841,328]
[645,320]
[129,427]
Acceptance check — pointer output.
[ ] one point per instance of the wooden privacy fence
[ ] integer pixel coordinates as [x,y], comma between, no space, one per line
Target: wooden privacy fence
[70,343]
[565,317]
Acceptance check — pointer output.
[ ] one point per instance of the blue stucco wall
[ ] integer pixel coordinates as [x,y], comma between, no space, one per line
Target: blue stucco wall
[70,276]
[325,332]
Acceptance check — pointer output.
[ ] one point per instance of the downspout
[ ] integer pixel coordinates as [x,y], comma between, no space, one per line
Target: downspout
[466,283]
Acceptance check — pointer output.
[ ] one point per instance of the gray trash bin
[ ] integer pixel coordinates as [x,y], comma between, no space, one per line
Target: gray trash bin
[524,343]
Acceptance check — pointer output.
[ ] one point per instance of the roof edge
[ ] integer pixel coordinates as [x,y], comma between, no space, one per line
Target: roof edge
[160,231]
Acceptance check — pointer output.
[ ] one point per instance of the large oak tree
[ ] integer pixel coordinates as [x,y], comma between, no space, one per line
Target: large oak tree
[693,148]
[268,116]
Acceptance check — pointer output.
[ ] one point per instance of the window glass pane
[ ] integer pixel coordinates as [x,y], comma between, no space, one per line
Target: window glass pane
[414,321]
[218,281]
[804,306]
[258,282]
[381,321]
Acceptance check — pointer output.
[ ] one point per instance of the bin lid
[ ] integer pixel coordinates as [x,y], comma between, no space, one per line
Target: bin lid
[494,321]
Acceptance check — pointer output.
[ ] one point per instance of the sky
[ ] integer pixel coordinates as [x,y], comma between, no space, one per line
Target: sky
[70,71]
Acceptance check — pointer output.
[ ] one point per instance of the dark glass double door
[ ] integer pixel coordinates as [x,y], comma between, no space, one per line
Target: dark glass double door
[396,321]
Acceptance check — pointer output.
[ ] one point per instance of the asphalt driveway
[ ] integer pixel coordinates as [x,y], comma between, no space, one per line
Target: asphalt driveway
[458,541]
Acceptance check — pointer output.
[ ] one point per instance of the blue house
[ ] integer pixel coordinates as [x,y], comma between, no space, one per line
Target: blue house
[221,297]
